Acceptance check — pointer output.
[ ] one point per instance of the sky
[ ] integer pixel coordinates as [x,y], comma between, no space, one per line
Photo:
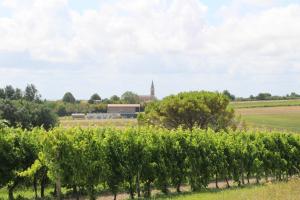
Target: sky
[112,46]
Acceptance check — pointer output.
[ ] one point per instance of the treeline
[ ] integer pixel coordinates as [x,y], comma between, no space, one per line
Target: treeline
[264,96]
[25,109]
[140,159]
[29,94]
[69,104]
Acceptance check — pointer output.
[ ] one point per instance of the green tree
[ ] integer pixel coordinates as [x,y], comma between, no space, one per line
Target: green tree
[115,98]
[263,96]
[18,94]
[68,98]
[61,110]
[2,93]
[189,109]
[94,97]
[31,93]
[229,95]
[27,114]
[9,92]
[130,97]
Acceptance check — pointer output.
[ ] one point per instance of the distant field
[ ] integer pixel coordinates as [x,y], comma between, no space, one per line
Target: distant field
[279,191]
[255,104]
[279,118]
[69,122]
[279,115]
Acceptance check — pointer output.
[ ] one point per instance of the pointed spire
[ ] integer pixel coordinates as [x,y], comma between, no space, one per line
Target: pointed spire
[152,92]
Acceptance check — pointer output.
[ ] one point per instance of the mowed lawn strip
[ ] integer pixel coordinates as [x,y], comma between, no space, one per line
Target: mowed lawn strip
[278,118]
[269,191]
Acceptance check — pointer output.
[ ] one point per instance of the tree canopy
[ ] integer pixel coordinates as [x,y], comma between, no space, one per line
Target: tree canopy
[190,109]
[94,97]
[68,98]
[130,97]
[27,114]
[229,95]
[31,93]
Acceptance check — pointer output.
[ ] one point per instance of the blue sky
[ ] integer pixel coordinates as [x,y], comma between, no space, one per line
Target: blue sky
[109,47]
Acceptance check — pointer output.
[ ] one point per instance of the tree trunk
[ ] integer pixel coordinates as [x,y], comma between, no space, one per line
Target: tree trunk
[257,179]
[58,189]
[226,179]
[178,188]
[115,196]
[243,179]
[148,189]
[248,178]
[138,188]
[75,192]
[54,191]
[43,183]
[10,194]
[217,186]
[164,188]
[35,185]
[266,177]
[11,189]
[239,183]
[91,192]
[131,192]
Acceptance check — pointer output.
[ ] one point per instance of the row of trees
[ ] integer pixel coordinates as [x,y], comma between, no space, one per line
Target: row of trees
[263,96]
[29,94]
[25,109]
[95,104]
[141,159]
[27,115]
[127,97]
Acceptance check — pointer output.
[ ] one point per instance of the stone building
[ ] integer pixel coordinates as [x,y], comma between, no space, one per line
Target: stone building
[123,108]
[151,97]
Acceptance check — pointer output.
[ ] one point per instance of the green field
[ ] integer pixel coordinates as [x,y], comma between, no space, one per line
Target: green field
[278,118]
[278,191]
[255,104]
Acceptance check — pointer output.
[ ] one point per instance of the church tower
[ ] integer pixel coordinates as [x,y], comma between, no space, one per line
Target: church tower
[152,93]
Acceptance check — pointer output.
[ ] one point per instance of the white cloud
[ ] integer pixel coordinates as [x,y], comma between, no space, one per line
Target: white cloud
[258,2]
[265,41]
[157,36]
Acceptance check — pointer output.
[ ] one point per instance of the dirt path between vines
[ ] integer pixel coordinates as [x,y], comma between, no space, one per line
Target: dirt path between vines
[212,185]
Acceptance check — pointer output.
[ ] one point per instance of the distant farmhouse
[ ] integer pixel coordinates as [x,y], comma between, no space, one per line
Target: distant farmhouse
[148,98]
[123,108]
[120,110]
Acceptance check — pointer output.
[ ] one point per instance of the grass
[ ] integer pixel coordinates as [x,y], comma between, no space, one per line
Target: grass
[27,193]
[269,191]
[276,118]
[256,104]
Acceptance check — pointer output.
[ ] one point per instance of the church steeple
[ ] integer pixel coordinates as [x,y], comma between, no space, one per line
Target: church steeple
[152,93]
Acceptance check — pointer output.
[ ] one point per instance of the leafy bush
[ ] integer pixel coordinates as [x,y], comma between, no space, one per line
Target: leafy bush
[191,109]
